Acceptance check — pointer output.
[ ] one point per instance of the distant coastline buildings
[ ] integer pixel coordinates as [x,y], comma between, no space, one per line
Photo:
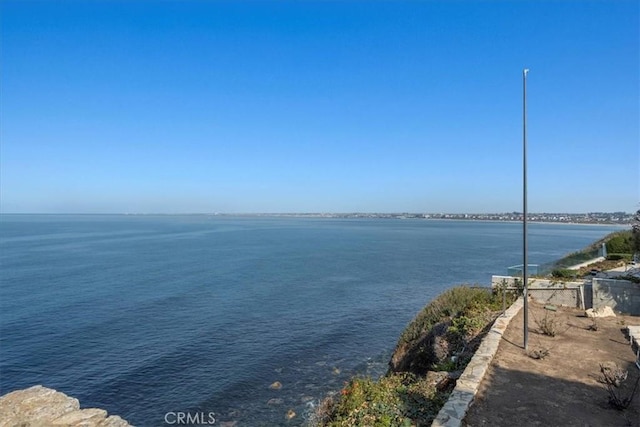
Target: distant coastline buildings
[621,218]
[588,218]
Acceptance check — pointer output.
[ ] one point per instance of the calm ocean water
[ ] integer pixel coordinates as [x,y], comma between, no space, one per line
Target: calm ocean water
[144,315]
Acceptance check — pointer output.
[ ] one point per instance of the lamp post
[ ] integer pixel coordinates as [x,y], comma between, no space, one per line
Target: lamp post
[525,262]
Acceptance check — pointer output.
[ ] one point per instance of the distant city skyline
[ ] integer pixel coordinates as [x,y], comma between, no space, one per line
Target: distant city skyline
[282,106]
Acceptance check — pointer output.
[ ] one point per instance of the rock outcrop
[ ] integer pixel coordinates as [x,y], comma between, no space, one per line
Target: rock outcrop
[605,311]
[39,406]
[420,355]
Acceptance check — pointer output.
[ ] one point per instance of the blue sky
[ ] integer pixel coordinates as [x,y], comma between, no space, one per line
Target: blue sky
[299,106]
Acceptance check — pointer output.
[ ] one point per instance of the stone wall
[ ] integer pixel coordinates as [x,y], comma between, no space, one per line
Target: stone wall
[39,406]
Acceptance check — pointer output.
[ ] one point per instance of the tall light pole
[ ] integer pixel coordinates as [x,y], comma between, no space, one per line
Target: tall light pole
[525,262]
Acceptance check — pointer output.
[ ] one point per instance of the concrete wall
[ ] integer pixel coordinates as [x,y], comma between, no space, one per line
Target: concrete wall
[545,291]
[621,295]
[588,295]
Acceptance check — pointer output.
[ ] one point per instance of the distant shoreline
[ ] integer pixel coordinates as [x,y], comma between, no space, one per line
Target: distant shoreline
[575,218]
[597,224]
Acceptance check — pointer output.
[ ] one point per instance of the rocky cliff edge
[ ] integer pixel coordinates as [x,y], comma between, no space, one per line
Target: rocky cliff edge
[39,406]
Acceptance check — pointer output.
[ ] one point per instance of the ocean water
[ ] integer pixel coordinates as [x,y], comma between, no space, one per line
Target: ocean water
[149,315]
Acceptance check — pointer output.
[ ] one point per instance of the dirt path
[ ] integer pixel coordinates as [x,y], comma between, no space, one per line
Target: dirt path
[563,389]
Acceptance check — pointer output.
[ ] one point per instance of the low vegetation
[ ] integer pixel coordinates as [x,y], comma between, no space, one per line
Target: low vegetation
[453,303]
[620,247]
[612,376]
[617,257]
[548,325]
[539,352]
[394,400]
[430,354]
[564,273]
[599,266]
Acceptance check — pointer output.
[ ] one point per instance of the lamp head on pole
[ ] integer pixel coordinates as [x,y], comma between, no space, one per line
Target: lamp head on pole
[525,71]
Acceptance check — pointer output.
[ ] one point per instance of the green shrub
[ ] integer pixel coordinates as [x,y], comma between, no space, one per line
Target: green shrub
[620,243]
[396,400]
[564,273]
[617,257]
[464,325]
[367,402]
[450,304]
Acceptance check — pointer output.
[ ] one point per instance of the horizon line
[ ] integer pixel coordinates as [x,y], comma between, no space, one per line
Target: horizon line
[320,213]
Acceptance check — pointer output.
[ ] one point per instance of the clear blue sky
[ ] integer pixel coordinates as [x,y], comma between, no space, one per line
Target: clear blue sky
[299,106]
